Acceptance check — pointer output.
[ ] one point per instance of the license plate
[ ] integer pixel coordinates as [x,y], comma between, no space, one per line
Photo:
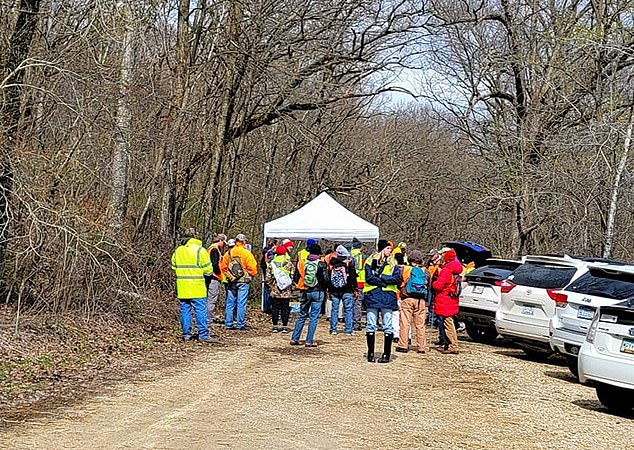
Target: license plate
[528,310]
[585,313]
[627,346]
[478,289]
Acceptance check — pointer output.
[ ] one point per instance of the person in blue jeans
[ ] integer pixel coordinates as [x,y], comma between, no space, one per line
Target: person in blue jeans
[382,278]
[237,296]
[311,277]
[343,288]
[238,287]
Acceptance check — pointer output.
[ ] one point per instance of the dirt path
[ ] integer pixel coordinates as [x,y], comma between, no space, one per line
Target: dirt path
[266,394]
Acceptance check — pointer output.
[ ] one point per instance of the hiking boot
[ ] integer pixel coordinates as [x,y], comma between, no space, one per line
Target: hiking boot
[387,349]
[209,340]
[187,338]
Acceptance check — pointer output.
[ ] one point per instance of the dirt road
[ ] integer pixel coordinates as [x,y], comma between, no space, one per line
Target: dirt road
[266,394]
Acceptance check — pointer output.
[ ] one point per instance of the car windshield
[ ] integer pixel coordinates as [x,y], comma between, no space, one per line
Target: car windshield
[541,275]
[602,283]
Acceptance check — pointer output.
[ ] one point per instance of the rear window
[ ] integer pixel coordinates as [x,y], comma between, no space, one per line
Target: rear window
[544,276]
[602,283]
[499,272]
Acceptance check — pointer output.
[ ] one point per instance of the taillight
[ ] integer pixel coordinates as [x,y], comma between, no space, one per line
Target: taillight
[498,282]
[507,286]
[560,299]
[592,331]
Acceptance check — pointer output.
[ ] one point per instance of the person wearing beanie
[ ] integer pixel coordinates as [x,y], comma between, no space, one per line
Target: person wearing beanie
[359,260]
[412,308]
[279,276]
[382,278]
[288,244]
[343,284]
[303,253]
[216,251]
[446,300]
[311,277]
[238,260]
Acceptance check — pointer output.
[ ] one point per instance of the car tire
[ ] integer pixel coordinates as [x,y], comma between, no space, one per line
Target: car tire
[573,365]
[616,399]
[483,334]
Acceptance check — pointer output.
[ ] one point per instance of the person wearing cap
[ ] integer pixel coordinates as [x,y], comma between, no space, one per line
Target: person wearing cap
[237,291]
[303,253]
[280,297]
[191,263]
[289,245]
[413,308]
[446,290]
[311,278]
[343,284]
[382,278]
[357,310]
[216,251]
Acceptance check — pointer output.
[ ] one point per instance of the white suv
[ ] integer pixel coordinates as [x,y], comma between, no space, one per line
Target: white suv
[603,285]
[480,298]
[606,357]
[528,300]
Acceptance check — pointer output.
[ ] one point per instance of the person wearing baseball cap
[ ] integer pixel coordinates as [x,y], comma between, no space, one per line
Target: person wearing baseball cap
[239,267]
[216,251]
[413,307]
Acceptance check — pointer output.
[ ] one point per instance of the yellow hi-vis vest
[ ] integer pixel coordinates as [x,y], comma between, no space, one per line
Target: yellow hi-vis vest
[191,263]
[387,270]
[358,265]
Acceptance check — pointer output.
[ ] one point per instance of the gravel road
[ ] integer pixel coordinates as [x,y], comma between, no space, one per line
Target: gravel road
[266,394]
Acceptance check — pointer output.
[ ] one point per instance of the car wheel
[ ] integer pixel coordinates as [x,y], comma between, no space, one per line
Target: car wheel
[482,334]
[616,399]
[573,365]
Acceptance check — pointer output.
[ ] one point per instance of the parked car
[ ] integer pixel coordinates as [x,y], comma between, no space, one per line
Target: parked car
[603,285]
[528,298]
[606,357]
[480,298]
[469,252]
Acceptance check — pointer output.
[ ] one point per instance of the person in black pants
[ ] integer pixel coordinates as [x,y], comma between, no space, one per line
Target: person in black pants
[280,298]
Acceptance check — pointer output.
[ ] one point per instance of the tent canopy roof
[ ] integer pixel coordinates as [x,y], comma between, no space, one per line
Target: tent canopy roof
[322,218]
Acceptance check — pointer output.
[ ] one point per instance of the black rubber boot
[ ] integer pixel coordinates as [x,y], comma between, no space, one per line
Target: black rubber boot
[369,337]
[387,349]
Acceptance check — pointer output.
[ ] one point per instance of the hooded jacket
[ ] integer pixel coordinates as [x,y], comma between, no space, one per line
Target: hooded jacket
[351,281]
[444,285]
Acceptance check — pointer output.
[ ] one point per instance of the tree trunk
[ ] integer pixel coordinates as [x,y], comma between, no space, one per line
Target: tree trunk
[609,232]
[13,75]
[120,156]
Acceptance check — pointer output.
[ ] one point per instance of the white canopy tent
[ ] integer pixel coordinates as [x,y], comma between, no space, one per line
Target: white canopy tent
[322,218]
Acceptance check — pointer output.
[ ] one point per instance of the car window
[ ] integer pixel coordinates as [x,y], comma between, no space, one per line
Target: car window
[544,276]
[604,283]
[492,271]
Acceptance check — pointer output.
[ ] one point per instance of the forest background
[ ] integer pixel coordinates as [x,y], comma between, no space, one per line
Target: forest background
[123,122]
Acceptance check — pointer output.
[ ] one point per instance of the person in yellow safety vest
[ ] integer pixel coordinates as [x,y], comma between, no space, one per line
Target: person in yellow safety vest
[191,263]
[279,278]
[382,278]
[303,253]
[357,256]
[400,253]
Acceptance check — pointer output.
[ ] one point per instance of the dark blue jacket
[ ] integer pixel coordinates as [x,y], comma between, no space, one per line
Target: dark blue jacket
[378,298]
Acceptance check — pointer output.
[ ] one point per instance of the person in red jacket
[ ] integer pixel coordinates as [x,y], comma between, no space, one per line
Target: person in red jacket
[446,299]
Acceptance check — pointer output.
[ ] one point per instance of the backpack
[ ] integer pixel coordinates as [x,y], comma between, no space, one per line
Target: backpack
[235,271]
[457,281]
[339,277]
[416,286]
[310,273]
[282,279]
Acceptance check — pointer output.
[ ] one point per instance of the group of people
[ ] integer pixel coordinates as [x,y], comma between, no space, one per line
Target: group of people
[396,287]
[201,271]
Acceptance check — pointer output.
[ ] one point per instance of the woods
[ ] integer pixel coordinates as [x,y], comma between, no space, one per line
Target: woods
[125,122]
